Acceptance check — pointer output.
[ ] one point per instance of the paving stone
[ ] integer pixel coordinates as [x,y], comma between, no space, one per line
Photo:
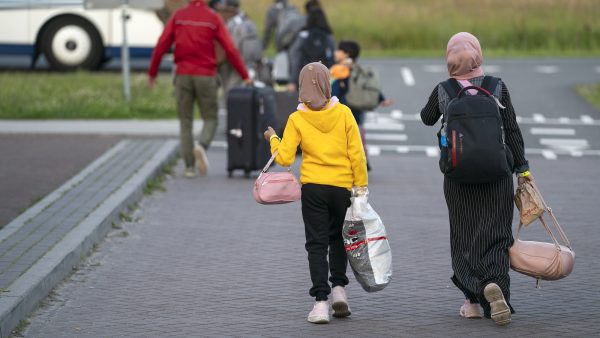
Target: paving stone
[32,240]
[205,260]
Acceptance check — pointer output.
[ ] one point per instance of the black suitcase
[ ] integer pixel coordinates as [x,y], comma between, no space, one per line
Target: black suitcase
[250,110]
[287,102]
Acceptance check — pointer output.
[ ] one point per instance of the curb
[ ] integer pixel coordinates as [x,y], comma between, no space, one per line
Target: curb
[34,285]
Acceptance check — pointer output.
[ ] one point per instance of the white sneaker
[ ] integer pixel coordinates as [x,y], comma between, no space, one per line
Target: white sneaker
[339,303]
[319,313]
[201,158]
[189,172]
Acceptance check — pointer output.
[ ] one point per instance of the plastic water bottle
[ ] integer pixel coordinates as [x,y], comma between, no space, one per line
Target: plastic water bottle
[443,139]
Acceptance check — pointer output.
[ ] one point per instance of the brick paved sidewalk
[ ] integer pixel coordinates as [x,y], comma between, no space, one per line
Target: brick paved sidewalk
[204,259]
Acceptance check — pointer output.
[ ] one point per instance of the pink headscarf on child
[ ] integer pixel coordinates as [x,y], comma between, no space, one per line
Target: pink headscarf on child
[464,57]
[314,86]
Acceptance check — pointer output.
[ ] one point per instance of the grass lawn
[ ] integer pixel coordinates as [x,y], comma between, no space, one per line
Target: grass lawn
[590,93]
[508,27]
[83,95]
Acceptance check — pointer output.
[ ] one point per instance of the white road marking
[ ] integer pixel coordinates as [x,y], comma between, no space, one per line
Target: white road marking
[384,126]
[402,149]
[432,151]
[407,76]
[381,119]
[535,119]
[373,150]
[597,69]
[567,145]
[546,69]
[539,118]
[564,121]
[587,119]
[396,114]
[553,131]
[549,154]
[387,137]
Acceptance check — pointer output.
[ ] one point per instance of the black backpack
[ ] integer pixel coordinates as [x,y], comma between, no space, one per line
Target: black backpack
[472,143]
[315,48]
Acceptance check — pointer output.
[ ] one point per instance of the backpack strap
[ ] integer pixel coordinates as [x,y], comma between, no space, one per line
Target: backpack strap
[490,83]
[452,87]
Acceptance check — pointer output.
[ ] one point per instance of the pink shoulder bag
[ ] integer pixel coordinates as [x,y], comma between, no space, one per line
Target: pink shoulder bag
[542,260]
[277,187]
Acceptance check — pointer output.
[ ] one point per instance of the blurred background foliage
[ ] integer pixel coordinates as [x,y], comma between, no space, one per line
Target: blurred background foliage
[422,27]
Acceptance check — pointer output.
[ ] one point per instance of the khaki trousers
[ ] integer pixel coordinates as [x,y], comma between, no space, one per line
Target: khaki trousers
[190,89]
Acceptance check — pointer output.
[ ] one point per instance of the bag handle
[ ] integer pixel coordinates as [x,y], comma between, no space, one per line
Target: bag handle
[268,165]
[554,220]
[480,89]
[561,232]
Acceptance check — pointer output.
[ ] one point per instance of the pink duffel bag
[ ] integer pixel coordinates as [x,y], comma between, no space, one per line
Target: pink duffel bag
[277,187]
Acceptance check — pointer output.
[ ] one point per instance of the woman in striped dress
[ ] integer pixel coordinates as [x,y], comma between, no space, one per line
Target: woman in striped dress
[480,214]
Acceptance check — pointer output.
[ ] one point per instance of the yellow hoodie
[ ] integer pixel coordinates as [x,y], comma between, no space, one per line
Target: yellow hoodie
[332,150]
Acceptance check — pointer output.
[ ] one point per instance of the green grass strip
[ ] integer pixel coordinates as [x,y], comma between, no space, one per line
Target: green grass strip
[83,95]
[591,92]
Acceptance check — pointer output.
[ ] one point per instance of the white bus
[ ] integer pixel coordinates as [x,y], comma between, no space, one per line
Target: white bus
[71,36]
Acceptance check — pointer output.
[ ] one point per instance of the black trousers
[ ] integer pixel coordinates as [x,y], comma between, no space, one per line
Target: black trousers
[323,211]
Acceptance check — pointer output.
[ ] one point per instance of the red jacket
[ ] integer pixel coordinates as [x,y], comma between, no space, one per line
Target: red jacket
[193,30]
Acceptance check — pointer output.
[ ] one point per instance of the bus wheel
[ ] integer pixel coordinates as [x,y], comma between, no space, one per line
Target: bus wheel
[70,43]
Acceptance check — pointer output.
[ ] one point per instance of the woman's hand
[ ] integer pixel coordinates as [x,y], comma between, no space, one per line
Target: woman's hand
[522,179]
[268,133]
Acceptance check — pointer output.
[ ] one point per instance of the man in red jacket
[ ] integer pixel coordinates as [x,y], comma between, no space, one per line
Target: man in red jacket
[193,29]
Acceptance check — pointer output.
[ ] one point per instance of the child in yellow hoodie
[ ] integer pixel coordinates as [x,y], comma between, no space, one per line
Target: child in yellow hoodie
[333,162]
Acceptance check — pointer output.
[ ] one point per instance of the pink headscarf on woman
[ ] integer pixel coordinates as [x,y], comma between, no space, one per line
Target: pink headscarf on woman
[464,57]
[315,89]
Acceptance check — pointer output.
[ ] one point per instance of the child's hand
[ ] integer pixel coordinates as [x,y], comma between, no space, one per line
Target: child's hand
[386,103]
[291,87]
[268,133]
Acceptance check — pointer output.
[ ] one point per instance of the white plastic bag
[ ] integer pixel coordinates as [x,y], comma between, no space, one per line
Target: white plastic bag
[281,67]
[367,245]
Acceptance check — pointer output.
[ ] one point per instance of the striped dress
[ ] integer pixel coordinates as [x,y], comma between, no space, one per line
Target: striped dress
[481,214]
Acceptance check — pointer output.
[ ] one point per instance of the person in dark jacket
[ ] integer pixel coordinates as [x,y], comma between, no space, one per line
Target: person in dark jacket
[244,35]
[316,25]
[193,29]
[273,18]
[480,214]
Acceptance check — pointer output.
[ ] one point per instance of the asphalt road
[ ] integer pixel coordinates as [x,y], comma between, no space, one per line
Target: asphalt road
[556,123]
[554,119]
